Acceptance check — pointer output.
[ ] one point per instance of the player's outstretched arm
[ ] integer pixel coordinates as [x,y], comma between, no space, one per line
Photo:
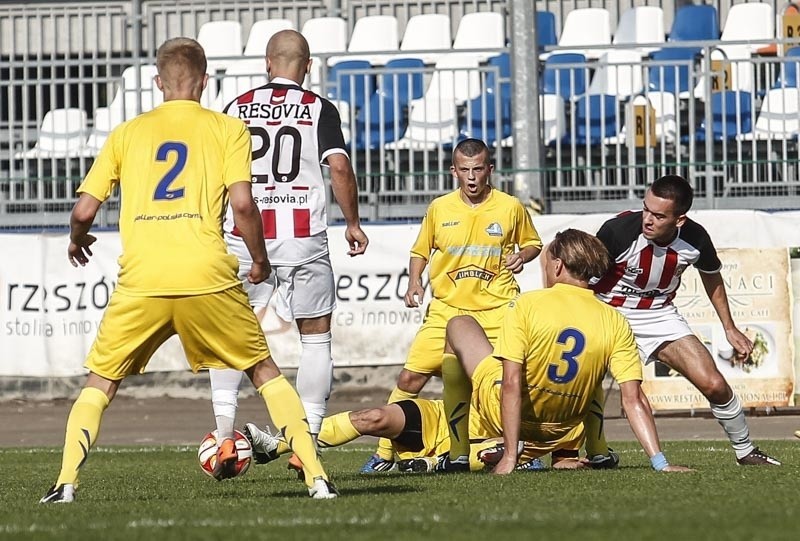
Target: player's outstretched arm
[643,425]
[248,221]
[345,190]
[415,291]
[715,289]
[510,406]
[80,223]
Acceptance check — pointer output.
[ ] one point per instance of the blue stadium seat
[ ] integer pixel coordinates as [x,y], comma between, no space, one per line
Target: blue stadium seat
[596,118]
[788,77]
[728,109]
[545,29]
[569,83]
[695,23]
[385,119]
[356,89]
[482,121]
[670,78]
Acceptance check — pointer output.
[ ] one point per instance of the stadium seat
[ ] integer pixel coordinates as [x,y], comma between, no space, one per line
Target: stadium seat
[567,82]
[585,27]
[325,35]
[779,117]
[345,84]
[749,21]
[481,30]
[241,76]
[260,33]
[663,105]
[672,78]
[695,23]
[618,73]
[433,120]
[545,30]
[482,120]
[429,32]
[62,134]
[640,25]
[371,33]
[731,116]
[220,39]
[789,66]
[385,117]
[741,70]
[131,98]
[596,119]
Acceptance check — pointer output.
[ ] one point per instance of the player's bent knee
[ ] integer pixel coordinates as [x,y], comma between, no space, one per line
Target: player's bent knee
[371,422]
[411,382]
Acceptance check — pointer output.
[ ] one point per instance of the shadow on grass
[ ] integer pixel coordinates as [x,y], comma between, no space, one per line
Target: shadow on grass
[347,492]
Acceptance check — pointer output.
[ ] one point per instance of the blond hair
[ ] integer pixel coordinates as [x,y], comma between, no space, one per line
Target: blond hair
[180,60]
[583,255]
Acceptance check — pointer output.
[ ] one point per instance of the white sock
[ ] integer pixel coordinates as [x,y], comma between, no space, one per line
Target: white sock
[314,377]
[225,399]
[731,418]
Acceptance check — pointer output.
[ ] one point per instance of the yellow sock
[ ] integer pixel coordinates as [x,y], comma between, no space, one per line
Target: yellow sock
[593,423]
[385,449]
[337,430]
[287,413]
[457,393]
[83,426]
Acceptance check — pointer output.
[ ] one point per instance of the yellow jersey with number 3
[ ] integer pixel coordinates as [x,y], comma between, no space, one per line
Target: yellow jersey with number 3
[467,246]
[566,340]
[173,165]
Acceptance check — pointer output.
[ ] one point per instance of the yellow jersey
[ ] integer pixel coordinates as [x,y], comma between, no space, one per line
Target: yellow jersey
[566,340]
[173,165]
[466,248]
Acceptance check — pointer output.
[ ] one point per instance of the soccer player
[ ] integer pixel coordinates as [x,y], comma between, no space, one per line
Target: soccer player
[554,349]
[176,167]
[469,237]
[294,133]
[651,248]
[418,431]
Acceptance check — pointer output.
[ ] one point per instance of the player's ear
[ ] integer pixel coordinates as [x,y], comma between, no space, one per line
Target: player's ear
[681,220]
[308,66]
[159,83]
[205,80]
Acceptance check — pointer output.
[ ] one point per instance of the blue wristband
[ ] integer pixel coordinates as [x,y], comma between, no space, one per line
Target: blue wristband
[659,461]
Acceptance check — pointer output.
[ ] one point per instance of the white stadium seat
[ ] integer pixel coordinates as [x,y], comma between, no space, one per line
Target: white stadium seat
[639,25]
[618,73]
[241,76]
[260,33]
[481,30]
[61,135]
[585,27]
[749,21]
[427,32]
[220,39]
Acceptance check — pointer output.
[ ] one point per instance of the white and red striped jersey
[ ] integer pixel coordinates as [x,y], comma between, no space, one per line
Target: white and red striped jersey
[293,132]
[646,275]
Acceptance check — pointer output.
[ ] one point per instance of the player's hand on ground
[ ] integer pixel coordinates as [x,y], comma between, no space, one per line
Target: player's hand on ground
[79,251]
[357,240]
[571,464]
[505,466]
[674,468]
[413,297]
[259,272]
[741,343]
[514,262]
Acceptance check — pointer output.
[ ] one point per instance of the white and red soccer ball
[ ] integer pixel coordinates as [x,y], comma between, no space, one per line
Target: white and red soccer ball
[207,454]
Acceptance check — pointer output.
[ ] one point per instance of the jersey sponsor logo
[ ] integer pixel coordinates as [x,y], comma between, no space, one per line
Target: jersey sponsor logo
[494,230]
[633,292]
[471,271]
[473,250]
[281,199]
[280,111]
[450,224]
[634,270]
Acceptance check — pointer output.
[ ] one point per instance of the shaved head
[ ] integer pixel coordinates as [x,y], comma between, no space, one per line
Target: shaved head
[288,55]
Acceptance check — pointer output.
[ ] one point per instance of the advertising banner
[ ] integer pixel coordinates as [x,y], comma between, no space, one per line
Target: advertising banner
[758,283]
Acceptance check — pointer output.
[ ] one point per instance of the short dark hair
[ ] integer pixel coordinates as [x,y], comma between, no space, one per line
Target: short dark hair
[471,147]
[583,255]
[675,188]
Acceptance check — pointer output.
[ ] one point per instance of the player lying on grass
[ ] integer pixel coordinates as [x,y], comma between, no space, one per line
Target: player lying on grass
[554,349]
[418,431]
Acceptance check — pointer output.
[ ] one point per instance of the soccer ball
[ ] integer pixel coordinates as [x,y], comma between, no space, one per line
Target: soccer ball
[207,454]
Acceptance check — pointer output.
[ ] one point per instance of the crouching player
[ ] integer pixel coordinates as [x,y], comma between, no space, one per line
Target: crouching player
[554,349]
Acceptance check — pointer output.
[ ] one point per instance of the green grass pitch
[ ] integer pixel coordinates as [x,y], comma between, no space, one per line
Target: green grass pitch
[159,493]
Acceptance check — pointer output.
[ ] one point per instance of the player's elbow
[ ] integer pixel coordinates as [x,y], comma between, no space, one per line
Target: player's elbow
[242,206]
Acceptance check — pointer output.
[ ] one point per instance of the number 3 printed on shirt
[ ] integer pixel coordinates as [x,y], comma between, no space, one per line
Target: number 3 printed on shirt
[578,343]
[162,190]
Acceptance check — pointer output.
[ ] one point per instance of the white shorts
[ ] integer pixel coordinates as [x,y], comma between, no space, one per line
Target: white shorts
[305,291]
[653,327]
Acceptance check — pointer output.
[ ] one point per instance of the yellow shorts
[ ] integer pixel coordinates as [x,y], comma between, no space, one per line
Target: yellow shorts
[425,354]
[217,330]
[432,429]
[485,422]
